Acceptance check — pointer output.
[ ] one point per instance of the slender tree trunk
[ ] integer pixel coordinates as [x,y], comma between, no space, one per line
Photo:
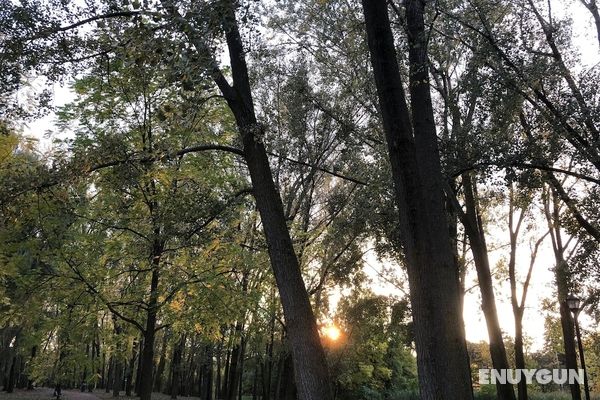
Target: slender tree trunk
[109,374]
[10,386]
[224,388]
[31,359]
[241,368]
[568,330]
[520,355]
[176,367]
[234,365]
[475,232]
[418,182]
[138,373]
[207,374]
[118,363]
[117,376]
[255,380]
[103,378]
[563,284]
[160,369]
[147,359]
[309,357]
[219,361]
[130,370]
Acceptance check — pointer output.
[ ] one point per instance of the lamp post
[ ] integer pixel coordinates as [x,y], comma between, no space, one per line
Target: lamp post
[574,304]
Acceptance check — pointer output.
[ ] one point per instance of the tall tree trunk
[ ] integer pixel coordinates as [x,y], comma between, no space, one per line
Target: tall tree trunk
[207,374]
[117,376]
[218,379]
[563,286]
[520,355]
[442,358]
[310,369]
[130,370]
[255,380]
[234,365]
[225,383]
[138,373]
[241,368]
[160,369]
[147,359]
[309,357]
[176,367]
[476,234]
[10,386]
[103,376]
[118,366]
[109,374]
[568,331]
[31,359]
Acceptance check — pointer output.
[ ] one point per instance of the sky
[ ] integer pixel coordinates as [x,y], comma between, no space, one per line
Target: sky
[542,282]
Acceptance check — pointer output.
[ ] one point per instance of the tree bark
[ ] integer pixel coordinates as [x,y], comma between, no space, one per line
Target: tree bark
[207,374]
[160,369]
[118,363]
[147,359]
[563,284]
[567,326]
[32,358]
[176,367]
[443,365]
[476,235]
[138,373]
[10,386]
[130,370]
[309,357]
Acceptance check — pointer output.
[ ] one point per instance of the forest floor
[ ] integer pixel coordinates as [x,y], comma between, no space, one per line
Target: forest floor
[47,394]
[101,394]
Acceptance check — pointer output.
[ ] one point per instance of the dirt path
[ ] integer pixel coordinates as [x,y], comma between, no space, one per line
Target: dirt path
[47,394]
[77,395]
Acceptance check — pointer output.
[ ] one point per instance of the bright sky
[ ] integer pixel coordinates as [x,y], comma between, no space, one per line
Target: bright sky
[542,283]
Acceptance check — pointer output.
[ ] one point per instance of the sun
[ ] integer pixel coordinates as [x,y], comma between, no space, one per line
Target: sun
[332,332]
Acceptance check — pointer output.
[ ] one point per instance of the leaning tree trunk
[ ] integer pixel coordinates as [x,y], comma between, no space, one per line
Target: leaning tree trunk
[475,233]
[309,357]
[310,365]
[442,358]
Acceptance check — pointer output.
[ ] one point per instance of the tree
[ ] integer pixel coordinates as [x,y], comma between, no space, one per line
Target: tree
[418,183]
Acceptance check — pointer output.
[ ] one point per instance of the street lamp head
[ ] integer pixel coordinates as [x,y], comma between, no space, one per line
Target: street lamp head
[573,303]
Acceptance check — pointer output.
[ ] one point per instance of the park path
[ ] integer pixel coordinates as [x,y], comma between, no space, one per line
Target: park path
[78,395]
[72,394]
